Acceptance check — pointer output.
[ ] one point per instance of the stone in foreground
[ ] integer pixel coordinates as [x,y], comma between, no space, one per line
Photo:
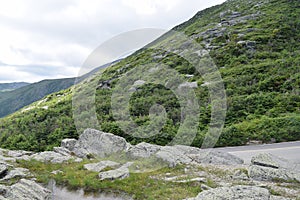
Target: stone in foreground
[26,190]
[234,193]
[99,144]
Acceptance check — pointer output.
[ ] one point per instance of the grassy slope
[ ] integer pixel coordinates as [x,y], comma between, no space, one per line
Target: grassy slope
[262,85]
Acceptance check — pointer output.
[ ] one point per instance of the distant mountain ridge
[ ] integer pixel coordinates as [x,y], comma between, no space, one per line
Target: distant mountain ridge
[12,86]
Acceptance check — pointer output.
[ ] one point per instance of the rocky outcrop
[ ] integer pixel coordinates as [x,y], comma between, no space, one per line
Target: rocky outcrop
[25,190]
[99,144]
[233,193]
[267,167]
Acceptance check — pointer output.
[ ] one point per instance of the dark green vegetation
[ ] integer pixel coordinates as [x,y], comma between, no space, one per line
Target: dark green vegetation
[11,86]
[12,101]
[257,51]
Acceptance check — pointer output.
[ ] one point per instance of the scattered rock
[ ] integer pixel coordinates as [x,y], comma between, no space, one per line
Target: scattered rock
[233,193]
[205,187]
[17,173]
[63,151]
[18,153]
[143,150]
[267,167]
[68,144]
[98,167]
[99,144]
[240,175]
[51,156]
[189,85]
[3,170]
[216,157]
[120,173]
[57,172]
[27,190]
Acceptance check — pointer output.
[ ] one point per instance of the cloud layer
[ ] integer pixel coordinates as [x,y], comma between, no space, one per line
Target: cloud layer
[52,38]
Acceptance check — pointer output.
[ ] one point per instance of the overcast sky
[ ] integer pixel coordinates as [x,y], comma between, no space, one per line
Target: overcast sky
[52,38]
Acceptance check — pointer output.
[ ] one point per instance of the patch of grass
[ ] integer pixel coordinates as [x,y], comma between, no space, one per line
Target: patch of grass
[138,185]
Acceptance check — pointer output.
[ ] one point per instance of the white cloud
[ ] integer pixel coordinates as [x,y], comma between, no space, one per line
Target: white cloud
[55,33]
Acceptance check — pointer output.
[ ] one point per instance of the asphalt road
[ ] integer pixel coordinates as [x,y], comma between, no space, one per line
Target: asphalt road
[287,150]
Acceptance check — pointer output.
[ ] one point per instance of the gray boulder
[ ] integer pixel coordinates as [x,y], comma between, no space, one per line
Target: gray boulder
[268,167]
[27,190]
[120,173]
[234,193]
[98,167]
[261,173]
[143,150]
[99,144]
[19,153]
[216,157]
[68,144]
[173,156]
[51,156]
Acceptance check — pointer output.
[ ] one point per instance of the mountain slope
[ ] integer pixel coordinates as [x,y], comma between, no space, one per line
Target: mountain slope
[11,86]
[256,47]
[12,101]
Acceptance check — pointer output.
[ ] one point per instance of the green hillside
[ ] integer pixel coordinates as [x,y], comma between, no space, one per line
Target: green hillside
[11,101]
[256,47]
[11,86]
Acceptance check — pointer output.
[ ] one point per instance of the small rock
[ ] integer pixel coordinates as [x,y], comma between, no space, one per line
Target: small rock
[98,167]
[240,175]
[205,187]
[17,173]
[3,170]
[120,173]
[68,144]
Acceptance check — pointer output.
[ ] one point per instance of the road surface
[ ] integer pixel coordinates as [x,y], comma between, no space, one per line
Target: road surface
[287,150]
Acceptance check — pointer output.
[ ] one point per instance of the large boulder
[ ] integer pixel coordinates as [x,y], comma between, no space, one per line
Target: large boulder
[173,156]
[234,193]
[268,167]
[99,144]
[26,190]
